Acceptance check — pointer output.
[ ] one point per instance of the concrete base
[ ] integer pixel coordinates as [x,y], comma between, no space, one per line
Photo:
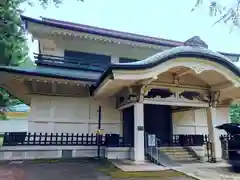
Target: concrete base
[118,152]
[138,162]
[130,166]
[47,152]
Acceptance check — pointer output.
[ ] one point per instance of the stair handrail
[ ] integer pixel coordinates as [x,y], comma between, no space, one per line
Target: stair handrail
[152,148]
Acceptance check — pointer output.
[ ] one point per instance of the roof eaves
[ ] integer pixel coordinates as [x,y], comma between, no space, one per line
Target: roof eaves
[47,75]
[104,32]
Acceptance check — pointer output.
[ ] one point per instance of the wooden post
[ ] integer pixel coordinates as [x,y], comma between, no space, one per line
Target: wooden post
[99,127]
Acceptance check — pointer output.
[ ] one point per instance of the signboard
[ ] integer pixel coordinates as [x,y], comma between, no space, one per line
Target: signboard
[151,140]
[140,128]
[100,131]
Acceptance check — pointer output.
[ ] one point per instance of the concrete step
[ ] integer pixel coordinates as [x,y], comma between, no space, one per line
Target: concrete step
[180,155]
[184,158]
[172,150]
[176,152]
[171,147]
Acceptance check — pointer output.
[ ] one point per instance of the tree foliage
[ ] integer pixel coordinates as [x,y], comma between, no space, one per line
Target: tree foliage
[13,44]
[229,11]
[235,113]
[6,100]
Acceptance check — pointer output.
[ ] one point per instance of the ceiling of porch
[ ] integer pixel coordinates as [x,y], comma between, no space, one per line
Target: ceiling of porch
[184,76]
[23,87]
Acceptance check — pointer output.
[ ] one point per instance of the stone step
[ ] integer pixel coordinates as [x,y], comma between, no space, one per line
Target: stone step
[184,158]
[172,147]
[172,150]
[180,155]
[176,152]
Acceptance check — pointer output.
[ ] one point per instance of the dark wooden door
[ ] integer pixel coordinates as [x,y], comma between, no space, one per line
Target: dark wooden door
[158,121]
[128,126]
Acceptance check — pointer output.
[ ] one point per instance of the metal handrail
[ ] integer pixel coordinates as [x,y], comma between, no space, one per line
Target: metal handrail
[152,151]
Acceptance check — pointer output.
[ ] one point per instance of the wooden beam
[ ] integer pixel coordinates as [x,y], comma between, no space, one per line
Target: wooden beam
[180,87]
[222,86]
[53,87]
[182,109]
[34,86]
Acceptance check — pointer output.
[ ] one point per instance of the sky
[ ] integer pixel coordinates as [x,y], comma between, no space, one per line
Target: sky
[160,18]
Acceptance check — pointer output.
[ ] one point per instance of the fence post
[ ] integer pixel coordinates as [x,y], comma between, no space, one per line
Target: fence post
[92,138]
[51,138]
[28,138]
[40,138]
[87,139]
[67,138]
[77,138]
[82,139]
[61,138]
[34,138]
[72,138]
[56,142]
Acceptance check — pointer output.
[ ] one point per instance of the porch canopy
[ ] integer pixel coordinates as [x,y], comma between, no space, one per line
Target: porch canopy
[47,80]
[191,67]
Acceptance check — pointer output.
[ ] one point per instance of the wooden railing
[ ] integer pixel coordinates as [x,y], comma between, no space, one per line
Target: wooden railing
[62,139]
[53,139]
[85,139]
[68,62]
[186,140]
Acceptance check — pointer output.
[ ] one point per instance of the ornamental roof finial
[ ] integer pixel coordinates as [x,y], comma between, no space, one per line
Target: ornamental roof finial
[196,41]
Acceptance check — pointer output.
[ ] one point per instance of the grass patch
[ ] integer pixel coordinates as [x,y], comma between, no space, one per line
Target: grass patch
[61,160]
[48,161]
[114,172]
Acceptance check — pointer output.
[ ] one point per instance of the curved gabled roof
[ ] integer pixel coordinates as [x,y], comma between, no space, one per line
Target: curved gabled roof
[178,52]
[181,51]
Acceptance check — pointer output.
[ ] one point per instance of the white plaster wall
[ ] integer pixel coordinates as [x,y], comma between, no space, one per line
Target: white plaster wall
[190,122]
[222,116]
[195,121]
[14,125]
[72,115]
[57,47]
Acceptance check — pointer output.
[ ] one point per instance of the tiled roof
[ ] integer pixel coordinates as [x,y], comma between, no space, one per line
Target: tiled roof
[110,33]
[177,50]
[104,32]
[89,77]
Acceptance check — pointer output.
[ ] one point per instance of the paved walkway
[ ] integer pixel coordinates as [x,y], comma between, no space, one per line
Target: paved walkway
[11,174]
[208,171]
[75,170]
[71,170]
[87,170]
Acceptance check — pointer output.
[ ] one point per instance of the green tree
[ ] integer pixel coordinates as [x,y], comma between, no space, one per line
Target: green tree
[235,113]
[13,44]
[6,100]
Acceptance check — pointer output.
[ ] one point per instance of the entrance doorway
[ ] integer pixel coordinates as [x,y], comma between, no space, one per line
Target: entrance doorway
[157,120]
